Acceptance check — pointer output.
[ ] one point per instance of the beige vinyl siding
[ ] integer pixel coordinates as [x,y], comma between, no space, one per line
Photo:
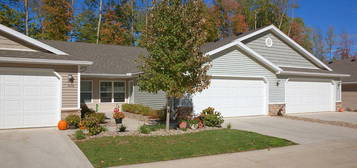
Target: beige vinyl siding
[235,62]
[105,106]
[69,90]
[349,96]
[279,53]
[6,43]
[155,101]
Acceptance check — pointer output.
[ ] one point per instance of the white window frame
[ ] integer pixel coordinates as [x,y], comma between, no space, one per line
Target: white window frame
[112,81]
[91,92]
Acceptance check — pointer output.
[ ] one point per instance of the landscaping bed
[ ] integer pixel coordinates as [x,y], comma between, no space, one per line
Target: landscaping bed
[122,150]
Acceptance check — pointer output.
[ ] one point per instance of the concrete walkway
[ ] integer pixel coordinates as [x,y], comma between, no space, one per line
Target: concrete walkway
[320,146]
[349,117]
[39,148]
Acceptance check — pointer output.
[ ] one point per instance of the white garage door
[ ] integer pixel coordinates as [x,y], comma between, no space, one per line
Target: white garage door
[309,97]
[233,97]
[29,99]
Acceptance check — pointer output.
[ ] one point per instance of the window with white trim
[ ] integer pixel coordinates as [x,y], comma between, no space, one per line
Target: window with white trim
[86,91]
[112,91]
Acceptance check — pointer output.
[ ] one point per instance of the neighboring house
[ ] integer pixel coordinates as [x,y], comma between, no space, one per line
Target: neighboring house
[349,85]
[256,73]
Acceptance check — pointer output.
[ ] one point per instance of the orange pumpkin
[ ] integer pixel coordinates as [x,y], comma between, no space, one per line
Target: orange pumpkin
[341,110]
[62,125]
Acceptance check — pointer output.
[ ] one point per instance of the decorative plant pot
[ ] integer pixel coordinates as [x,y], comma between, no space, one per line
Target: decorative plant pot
[200,124]
[194,126]
[118,120]
[183,124]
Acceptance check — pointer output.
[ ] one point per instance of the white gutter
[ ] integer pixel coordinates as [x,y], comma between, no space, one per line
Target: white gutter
[349,82]
[44,61]
[127,75]
[312,74]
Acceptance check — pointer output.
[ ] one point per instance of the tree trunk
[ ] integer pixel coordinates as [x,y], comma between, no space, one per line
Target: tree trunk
[27,17]
[132,21]
[99,19]
[168,110]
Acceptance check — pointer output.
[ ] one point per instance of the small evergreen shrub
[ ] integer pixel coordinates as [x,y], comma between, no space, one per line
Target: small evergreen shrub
[229,126]
[85,110]
[144,129]
[122,128]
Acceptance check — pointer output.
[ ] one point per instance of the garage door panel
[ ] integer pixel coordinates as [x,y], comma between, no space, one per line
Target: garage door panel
[302,96]
[31,99]
[232,97]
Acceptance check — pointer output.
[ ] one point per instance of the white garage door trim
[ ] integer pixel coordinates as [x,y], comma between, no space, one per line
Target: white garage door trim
[333,91]
[264,79]
[59,83]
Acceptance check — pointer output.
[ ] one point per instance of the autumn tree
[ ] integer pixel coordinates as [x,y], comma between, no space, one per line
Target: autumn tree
[344,46]
[57,19]
[173,39]
[12,16]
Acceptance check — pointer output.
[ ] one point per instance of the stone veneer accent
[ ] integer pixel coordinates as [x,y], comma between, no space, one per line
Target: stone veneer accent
[65,113]
[276,109]
[338,105]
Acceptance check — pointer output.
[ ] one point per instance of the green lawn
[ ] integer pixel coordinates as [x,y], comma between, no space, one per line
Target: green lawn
[122,150]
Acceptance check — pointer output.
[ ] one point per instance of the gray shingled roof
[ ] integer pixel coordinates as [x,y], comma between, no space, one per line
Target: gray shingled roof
[347,66]
[37,55]
[107,59]
[213,45]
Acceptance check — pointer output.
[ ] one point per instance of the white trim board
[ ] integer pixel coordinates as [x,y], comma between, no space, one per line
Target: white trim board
[31,40]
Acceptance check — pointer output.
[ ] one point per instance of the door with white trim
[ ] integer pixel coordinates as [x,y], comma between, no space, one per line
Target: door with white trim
[308,96]
[29,98]
[233,97]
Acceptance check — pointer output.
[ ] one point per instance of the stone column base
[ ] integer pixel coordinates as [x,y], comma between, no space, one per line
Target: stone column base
[338,105]
[276,109]
[65,113]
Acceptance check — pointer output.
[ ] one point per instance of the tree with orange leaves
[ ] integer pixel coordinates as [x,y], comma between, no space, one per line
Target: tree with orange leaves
[57,19]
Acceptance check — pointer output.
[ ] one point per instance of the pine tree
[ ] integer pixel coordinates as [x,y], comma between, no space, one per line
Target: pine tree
[86,22]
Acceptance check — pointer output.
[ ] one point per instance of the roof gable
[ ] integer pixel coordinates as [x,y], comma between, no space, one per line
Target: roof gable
[278,33]
[25,43]
[279,53]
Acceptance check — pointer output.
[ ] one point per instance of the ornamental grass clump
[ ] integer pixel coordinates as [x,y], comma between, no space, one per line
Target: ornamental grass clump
[73,120]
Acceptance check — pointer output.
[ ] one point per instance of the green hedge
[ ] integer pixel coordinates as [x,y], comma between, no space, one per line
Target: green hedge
[140,109]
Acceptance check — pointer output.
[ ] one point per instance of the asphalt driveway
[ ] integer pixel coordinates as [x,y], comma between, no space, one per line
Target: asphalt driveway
[38,148]
[302,132]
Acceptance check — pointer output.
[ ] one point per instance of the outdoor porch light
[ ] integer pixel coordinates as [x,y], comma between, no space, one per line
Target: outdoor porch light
[70,78]
[278,83]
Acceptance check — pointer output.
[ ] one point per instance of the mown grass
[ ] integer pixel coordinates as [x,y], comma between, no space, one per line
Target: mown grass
[123,150]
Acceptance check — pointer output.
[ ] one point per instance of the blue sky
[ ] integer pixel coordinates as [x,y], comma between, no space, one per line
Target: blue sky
[341,14]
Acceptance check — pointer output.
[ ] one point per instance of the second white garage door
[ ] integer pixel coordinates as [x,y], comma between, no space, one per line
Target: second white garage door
[29,98]
[302,96]
[233,97]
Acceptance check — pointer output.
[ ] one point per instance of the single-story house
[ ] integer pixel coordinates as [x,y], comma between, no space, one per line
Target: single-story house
[256,73]
[349,85]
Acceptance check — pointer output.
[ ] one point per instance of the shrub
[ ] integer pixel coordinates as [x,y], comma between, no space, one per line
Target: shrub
[144,129]
[91,123]
[85,110]
[79,135]
[122,128]
[73,120]
[211,118]
[99,116]
[140,109]
[229,126]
